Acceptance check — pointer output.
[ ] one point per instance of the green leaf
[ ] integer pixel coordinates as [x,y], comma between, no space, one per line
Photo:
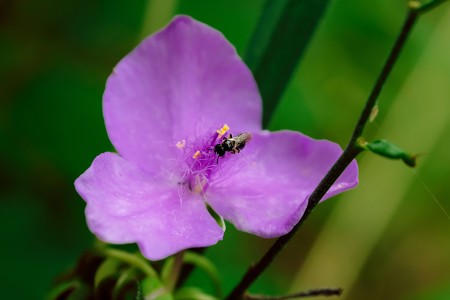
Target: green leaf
[125,278]
[135,260]
[437,293]
[191,293]
[166,269]
[206,266]
[62,290]
[73,290]
[153,288]
[87,266]
[387,149]
[279,42]
[105,288]
[107,269]
[80,293]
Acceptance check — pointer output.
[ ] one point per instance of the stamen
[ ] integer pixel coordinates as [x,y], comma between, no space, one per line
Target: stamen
[196,154]
[180,144]
[222,131]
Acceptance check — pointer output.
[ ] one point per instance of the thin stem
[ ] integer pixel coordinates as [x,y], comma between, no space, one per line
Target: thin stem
[430,5]
[350,152]
[175,273]
[310,293]
[256,270]
[130,259]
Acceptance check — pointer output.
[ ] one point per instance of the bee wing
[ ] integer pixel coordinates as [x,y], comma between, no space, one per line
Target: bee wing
[243,138]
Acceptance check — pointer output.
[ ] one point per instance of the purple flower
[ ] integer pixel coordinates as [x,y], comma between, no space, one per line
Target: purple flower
[165,106]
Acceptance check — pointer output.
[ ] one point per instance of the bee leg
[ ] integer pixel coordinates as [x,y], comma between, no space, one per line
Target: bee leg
[242,146]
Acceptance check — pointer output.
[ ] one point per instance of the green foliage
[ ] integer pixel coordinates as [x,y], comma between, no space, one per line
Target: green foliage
[54,60]
[191,293]
[108,268]
[281,37]
[204,264]
[442,293]
[153,288]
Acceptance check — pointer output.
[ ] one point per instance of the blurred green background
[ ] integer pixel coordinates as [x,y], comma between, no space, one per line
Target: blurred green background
[387,239]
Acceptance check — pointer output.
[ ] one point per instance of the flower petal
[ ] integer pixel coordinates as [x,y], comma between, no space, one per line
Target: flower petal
[264,189]
[127,205]
[178,83]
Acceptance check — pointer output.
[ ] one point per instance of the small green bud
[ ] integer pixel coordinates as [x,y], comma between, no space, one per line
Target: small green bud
[414,4]
[389,150]
[373,113]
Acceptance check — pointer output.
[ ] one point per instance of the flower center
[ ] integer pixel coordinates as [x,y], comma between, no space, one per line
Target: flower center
[201,160]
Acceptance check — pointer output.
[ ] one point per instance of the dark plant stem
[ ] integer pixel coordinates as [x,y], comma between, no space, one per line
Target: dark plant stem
[256,270]
[430,5]
[350,152]
[387,68]
[310,293]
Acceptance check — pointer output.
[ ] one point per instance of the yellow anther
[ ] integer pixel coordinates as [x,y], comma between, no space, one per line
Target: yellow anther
[196,154]
[181,144]
[223,130]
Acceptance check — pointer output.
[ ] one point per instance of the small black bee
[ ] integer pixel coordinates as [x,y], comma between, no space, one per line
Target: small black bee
[232,144]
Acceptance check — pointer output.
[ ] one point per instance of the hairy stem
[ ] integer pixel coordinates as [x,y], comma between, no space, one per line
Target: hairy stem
[350,152]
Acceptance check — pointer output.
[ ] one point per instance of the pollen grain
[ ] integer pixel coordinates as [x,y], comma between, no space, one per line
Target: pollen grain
[181,144]
[196,154]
